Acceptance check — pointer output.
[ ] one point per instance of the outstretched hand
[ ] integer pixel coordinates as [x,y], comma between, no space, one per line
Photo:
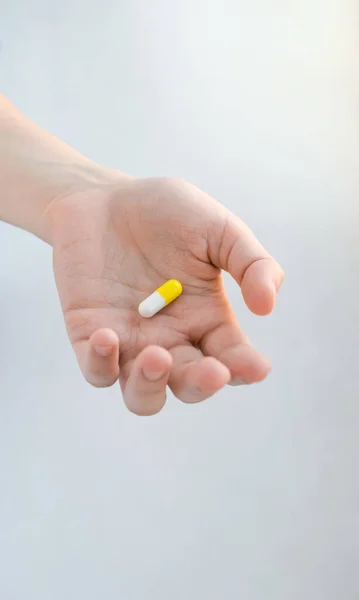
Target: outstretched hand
[114,245]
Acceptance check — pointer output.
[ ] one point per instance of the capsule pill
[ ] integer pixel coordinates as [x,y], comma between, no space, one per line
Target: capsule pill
[165,294]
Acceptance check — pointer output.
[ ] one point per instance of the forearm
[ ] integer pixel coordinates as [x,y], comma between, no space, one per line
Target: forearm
[35,168]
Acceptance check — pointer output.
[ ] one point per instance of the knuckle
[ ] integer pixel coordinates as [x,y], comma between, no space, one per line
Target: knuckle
[174,187]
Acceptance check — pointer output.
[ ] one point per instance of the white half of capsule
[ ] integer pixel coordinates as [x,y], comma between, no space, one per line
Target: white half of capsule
[151,305]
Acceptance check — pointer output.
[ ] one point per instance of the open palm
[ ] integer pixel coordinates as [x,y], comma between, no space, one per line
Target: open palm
[114,245]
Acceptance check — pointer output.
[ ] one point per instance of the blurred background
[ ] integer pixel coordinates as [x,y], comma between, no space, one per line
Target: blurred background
[255,493]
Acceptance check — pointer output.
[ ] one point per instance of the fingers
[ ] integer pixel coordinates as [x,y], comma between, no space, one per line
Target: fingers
[229,345]
[237,251]
[144,390]
[98,358]
[260,283]
[195,378]
[191,376]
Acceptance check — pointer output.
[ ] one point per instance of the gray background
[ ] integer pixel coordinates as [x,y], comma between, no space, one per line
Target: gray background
[255,493]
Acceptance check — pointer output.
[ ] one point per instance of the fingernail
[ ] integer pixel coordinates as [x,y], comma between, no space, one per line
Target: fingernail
[237,381]
[275,291]
[153,375]
[103,350]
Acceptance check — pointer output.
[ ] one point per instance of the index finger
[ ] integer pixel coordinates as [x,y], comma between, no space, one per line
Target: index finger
[234,248]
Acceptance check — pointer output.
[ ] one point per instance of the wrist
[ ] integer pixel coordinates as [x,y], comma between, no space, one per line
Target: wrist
[80,197]
[37,169]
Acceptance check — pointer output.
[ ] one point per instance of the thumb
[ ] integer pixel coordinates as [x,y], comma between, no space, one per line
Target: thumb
[234,248]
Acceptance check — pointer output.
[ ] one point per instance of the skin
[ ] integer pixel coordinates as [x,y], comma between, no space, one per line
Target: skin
[115,239]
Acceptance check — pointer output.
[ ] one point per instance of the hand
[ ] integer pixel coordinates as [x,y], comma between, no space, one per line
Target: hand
[114,245]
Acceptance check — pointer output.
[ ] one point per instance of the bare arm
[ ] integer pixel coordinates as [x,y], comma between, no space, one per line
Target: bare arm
[116,239]
[36,167]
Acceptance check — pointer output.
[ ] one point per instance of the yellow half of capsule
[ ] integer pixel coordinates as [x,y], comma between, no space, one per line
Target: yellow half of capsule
[170,290]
